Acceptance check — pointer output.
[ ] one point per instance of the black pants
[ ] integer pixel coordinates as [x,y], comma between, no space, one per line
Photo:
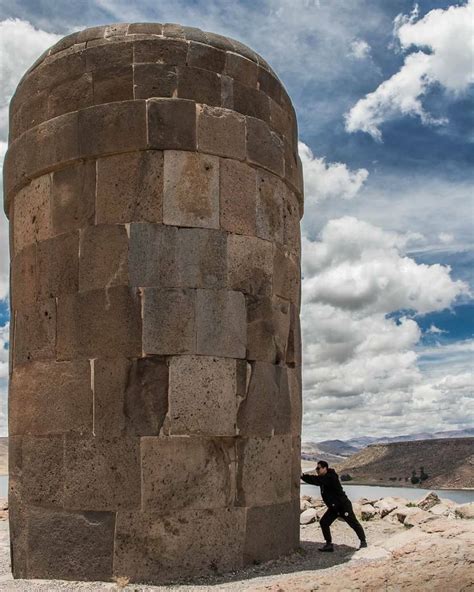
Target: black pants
[346,513]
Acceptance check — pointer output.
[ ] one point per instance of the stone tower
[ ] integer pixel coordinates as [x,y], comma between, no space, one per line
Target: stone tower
[154,193]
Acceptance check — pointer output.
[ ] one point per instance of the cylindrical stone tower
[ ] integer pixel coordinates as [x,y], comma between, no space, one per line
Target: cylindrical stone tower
[154,193]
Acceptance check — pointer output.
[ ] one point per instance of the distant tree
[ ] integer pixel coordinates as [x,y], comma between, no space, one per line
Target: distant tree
[346,477]
[423,475]
[414,479]
[392,478]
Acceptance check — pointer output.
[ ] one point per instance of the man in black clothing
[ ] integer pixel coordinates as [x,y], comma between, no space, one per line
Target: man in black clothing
[335,498]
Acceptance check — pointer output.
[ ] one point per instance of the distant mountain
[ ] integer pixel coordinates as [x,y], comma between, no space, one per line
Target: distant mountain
[338,447]
[448,462]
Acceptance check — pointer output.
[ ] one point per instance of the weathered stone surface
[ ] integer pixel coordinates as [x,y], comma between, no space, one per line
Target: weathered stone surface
[24,287]
[104,257]
[35,332]
[271,531]
[191,190]
[286,276]
[154,80]
[70,545]
[221,131]
[264,487]
[428,501]
[368,512]
[264,147]
[241,69]
[160,51]
[73,197]
[308,516]
[113,127]
[183,473]
[51,398]
[169,321]
[130,188]
[238,189]
[293,349]
[71,95]
[42,470]
[58,265]
[269,212]
[250,265]
[189,543]
[203,395]
[172,257]
[220,323]
[199,85]
[291,224]
[266,408]
[31,218]
[250,101]
[269,84]
[201,55]
[465,510]
[101,473]
[113,83]
[268,326]
[97,322]
[171,124]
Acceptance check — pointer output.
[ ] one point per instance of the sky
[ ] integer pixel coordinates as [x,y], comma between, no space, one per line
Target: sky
[384,97]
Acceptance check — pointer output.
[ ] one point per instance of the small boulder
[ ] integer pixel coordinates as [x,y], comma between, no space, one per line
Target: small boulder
[465,510]
[442,509]
[403,511]
[418,518]
[308,516]
[385,506]
[427,502]
[304,505]
[368,512]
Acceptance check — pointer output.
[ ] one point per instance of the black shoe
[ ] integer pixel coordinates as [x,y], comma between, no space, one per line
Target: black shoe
[328,548]
[363,544]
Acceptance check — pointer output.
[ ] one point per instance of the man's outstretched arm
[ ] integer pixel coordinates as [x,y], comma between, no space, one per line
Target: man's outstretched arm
[311,479]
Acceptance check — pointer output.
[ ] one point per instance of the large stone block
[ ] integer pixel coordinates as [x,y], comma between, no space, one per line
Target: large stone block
[250,264]
[32,213]
[203,395]
[251,101]
[35,332]
[130,188]
[258,487]
[58,265]
[201,55]
[268,326]
[187,544]
[101,473]
[241,69]
[287,276]
[51,398]
[155,80]
[270,220]
[293,352]
[52,142]
[104,257]
[220,323]
[269,84]
[238,189]
[171,257]
[24,286]
[98,322]
[70,95]
[70,545]
[42,470]
[221,131]
[180,473]
[171,124]
[113,83]
[291,224]
[160,51]
[271,531]
[264,147]
[169,321]
[108,53]
[266,408]
[191,189]
[113,127]
[73,197]
[199,85]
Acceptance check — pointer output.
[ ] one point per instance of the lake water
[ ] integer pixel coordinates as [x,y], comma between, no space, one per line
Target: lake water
[355,492]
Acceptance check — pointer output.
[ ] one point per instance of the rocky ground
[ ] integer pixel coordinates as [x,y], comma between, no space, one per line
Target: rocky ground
[427,546]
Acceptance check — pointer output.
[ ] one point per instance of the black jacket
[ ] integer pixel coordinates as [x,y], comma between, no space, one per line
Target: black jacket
[331,489]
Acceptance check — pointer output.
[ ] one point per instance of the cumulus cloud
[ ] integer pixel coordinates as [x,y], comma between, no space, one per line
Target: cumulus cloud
[20,45]
[446,42]
[357,356]
[360,49]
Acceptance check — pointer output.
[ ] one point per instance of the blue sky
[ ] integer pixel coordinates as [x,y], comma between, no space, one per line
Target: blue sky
[384,97]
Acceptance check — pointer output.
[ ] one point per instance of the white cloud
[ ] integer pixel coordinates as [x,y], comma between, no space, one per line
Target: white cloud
[20,45]
[357,359]
[360,49]
[446,39]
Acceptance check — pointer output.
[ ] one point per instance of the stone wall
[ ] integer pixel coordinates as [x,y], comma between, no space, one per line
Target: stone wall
[154,193]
